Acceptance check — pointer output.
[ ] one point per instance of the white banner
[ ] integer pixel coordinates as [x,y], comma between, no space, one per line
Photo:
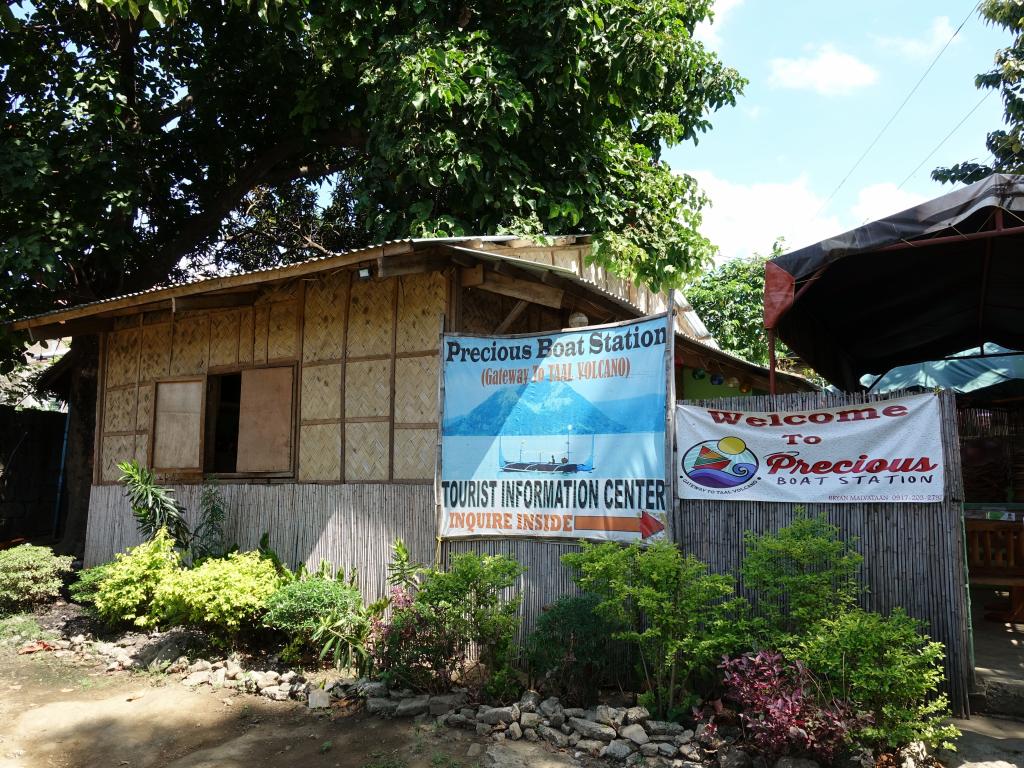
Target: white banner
[888,451]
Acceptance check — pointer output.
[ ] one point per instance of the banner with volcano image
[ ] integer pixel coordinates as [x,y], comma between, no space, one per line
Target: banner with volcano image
[556,435]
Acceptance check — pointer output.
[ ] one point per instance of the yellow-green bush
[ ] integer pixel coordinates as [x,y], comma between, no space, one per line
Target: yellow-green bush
[125,592]
[30,575]
[223,595]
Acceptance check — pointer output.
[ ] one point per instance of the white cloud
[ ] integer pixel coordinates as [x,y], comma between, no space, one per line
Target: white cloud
[921,47]
[880,200]
[747,218]
[828,72]
[710,33]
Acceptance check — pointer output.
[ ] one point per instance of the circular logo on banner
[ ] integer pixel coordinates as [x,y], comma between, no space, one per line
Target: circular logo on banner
[725,463]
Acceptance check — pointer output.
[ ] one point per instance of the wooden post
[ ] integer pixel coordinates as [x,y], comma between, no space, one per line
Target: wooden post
[670,407]
[438,497]
[771,362]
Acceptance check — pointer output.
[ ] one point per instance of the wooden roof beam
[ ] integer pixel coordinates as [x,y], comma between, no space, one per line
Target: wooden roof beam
[213,301]
[84,327]
[514,287]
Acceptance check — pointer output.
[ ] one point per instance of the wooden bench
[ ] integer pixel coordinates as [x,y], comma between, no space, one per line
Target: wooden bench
[995,555]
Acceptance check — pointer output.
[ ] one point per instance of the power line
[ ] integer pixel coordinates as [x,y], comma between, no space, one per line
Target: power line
[895,114]
[945,138]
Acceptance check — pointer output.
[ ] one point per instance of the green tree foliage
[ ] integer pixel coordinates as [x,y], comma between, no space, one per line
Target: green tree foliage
[145,140]
[730,301]
[1006,77]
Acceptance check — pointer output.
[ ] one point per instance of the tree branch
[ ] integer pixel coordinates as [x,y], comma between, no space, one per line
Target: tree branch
[278,164]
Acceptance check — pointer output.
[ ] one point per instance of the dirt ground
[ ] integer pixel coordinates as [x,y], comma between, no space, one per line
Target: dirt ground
[58,714]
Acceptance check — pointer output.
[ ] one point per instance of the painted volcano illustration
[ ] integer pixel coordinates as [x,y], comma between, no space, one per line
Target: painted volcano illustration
[539,408]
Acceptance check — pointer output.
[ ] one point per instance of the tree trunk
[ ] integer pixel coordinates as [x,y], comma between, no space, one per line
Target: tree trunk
[78,465]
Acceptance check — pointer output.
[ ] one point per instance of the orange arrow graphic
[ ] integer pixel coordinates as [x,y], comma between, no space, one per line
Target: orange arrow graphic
[646,525]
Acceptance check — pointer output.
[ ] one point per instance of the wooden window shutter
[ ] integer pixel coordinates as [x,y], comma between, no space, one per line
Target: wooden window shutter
[265,420]
[178,425]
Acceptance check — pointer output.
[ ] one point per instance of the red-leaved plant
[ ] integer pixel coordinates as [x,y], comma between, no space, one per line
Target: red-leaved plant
[784,711]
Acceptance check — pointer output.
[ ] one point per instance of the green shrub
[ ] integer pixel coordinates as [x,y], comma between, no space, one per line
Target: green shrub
[477,588]
[222,595]
[30,575]
[426,642]
[570,653]
[799,576]
[343,635]
[423,647]
[884,666]
[298,608]
[85,588]
[679,618]
[125,592]
[207,540]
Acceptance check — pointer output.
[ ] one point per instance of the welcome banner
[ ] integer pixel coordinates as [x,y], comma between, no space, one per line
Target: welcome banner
[556,435]
[888,450]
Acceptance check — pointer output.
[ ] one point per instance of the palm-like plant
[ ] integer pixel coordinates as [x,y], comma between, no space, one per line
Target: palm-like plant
[153,506]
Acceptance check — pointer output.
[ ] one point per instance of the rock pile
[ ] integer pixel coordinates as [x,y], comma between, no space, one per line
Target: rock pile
[228,673]
[617,733]
[380,700]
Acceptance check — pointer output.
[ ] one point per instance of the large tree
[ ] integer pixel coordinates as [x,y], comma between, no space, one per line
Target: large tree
[145,140]
[1006,144]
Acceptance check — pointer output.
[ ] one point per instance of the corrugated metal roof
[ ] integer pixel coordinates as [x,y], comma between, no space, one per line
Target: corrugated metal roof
[156,290]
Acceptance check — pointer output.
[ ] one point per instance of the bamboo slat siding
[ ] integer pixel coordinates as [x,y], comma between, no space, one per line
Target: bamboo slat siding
[913,553]
[350,526]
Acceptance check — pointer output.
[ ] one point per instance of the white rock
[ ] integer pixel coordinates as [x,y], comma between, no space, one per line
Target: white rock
[381,706]
[318,698]
[637,715]
[612,716]
[637,735]
[619,749]
[416,705]
[591,730]
[529,719]
[197,678]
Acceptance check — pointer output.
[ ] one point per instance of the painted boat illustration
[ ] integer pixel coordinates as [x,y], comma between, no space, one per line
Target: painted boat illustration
[710,459]
[552,463]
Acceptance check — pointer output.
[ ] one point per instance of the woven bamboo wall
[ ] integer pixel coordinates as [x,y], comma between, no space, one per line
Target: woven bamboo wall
[367,384]
[149,347]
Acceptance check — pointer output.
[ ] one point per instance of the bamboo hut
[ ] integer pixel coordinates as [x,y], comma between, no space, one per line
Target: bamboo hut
[310,390]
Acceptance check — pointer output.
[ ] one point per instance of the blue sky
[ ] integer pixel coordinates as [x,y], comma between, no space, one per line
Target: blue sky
[824,79]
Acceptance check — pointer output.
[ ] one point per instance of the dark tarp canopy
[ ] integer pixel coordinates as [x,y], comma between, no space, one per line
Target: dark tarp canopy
[933,280]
